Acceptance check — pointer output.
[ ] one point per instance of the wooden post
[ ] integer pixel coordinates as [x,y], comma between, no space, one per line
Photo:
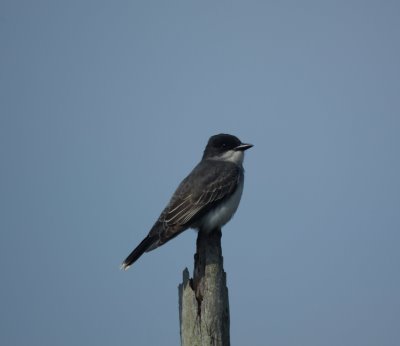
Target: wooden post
[203,300]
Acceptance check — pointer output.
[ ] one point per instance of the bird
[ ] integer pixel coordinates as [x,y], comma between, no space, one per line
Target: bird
[205,200]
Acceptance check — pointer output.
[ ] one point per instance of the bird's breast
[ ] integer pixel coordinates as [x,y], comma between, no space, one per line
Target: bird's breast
[223,212]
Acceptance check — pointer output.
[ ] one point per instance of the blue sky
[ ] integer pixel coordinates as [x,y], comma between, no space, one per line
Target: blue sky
[106,106]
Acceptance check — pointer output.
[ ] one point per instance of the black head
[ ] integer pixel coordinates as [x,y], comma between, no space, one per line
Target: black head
[219,144]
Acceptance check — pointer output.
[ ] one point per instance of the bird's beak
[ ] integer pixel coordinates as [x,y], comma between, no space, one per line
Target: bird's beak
[243,147]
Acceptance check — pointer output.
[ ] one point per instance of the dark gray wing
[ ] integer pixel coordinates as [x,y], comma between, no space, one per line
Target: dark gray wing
[208,184]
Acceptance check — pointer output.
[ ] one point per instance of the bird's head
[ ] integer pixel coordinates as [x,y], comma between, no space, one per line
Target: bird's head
[225,147]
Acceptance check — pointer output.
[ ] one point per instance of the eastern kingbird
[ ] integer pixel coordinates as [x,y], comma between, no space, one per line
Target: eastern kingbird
[205,200]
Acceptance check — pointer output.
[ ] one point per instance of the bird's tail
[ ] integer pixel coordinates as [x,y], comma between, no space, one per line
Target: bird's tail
[146,244]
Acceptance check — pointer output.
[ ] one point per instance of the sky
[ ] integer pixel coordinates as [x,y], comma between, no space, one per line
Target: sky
[106,105]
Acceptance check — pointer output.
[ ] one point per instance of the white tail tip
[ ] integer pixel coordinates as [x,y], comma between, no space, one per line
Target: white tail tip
[124,267]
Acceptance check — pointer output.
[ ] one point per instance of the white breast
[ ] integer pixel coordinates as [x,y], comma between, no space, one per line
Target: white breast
[220,215]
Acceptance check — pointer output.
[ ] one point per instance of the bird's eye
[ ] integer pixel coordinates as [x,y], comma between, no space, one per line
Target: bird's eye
[223,145]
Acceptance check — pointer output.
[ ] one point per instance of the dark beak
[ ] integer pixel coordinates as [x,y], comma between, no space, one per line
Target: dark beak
[243,147]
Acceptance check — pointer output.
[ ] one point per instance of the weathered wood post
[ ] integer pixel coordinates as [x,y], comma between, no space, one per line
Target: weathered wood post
[203,300]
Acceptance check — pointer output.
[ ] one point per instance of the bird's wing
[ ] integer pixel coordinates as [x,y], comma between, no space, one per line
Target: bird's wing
[208,183]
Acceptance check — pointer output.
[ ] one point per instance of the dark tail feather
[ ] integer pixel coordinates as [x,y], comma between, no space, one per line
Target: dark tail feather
[139,251]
